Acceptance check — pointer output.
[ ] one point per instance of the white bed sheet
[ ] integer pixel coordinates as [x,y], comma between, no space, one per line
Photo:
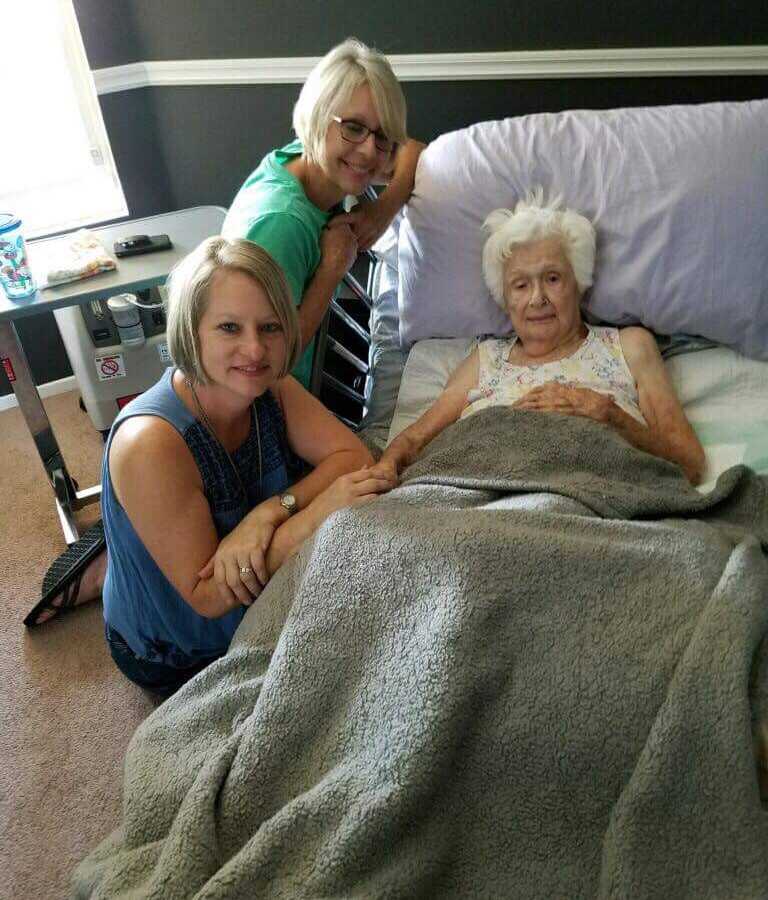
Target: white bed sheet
[724,394]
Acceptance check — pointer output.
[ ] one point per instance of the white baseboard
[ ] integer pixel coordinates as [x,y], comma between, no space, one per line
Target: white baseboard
[631,62]
[45,390]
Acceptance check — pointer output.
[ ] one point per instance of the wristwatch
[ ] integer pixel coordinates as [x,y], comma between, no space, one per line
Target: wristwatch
[289,504]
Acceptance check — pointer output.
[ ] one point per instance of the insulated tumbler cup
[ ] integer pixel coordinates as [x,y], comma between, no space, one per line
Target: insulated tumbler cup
[15,275]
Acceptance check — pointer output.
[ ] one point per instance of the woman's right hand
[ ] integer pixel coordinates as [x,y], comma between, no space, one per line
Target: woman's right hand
[353,489]
[338,249]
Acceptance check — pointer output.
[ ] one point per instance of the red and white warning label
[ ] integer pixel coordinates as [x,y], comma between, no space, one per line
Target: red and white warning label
[8,366]
[109,367]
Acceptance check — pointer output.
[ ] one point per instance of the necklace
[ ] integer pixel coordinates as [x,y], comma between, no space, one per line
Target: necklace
[209,427]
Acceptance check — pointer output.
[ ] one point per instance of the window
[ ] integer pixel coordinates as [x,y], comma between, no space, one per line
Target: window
[56,166]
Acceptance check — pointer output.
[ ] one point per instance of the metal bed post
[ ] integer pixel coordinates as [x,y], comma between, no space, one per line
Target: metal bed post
[337,367]
[67,496]
[329,347]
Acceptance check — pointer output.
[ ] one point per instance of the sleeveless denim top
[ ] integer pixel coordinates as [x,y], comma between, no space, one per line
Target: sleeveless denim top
[139,601]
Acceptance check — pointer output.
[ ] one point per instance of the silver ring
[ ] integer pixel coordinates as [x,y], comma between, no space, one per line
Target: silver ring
[245,570]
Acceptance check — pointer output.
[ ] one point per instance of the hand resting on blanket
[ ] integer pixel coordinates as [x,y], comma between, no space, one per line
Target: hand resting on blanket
[538,261]
[259,541]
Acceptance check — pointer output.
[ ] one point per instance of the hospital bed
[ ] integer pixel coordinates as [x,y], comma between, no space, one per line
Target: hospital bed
[540,666]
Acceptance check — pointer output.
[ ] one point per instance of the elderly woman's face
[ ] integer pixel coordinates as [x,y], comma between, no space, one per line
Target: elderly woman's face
[540,292]
[349,164]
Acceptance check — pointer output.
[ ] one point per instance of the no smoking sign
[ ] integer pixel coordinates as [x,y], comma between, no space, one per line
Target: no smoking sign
[109,367]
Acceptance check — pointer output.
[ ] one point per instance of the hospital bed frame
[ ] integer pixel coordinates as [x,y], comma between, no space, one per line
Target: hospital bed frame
[340,367]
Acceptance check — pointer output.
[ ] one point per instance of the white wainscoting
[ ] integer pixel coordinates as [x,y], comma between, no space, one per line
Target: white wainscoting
[610,63]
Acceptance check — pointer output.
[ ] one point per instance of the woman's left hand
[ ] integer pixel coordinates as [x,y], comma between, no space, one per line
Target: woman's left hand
[568,399]
[353,489]
[239,564]
[369,220]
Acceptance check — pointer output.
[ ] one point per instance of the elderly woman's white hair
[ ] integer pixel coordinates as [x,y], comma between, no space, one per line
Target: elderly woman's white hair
[329,88]
[534,220]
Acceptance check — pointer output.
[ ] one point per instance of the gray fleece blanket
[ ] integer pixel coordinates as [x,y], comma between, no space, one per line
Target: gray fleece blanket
[530,671]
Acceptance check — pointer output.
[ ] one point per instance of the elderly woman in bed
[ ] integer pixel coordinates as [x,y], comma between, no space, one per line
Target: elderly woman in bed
[538,261]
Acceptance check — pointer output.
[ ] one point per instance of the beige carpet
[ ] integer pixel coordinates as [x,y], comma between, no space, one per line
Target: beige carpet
[66,713]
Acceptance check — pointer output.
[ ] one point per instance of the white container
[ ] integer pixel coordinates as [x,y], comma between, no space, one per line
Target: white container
[127,319]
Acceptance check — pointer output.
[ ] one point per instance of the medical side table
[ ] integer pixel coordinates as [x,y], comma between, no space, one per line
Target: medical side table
[186,228]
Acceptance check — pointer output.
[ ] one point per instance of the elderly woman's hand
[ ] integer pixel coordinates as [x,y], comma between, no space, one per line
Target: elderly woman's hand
[569,399]
[368,220]
[386,469]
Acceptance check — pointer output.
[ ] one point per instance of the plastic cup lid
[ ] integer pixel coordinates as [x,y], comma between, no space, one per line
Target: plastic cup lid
[8,222]
[120,301]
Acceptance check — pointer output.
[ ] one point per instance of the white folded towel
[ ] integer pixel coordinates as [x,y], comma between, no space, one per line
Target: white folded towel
[82,257]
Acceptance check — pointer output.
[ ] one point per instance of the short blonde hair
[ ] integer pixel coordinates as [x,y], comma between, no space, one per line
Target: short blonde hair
[188,289]
[534,220]
[329,88]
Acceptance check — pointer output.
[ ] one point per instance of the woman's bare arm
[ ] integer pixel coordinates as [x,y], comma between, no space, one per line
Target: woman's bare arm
[330,447]
[399,186]
[669,433]
[158,484]
[407,446]
[338,252]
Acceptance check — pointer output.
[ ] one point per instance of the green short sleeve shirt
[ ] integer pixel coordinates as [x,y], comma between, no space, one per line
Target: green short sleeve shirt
[272,210]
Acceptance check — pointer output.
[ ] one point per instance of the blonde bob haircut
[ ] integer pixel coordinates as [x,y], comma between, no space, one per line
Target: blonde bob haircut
[534,220]
[329,88]
[189,286]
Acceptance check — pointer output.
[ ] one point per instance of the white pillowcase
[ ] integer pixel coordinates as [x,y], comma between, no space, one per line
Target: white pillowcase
[724,394]
[427,370]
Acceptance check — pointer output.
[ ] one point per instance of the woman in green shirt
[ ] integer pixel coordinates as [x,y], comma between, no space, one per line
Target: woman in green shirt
[350,123]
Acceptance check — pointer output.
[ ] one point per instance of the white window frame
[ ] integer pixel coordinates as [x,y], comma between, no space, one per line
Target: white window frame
[97,197]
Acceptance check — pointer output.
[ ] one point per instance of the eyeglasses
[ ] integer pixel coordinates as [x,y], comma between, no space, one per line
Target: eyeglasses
[357,133]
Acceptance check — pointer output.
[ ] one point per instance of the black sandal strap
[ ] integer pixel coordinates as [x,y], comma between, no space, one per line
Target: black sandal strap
[65,574]
[71,593]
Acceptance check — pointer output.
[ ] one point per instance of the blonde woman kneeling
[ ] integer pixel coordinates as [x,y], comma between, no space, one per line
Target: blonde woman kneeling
[197,508]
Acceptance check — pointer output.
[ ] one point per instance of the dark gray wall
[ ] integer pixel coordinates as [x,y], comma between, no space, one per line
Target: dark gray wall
[183,146]
[208,156]
[219,29]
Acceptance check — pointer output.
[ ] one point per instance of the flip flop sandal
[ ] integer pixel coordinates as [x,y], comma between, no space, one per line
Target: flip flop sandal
[65,574]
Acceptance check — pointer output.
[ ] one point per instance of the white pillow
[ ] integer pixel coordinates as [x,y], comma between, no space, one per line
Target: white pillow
[427,369]
[724,394]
